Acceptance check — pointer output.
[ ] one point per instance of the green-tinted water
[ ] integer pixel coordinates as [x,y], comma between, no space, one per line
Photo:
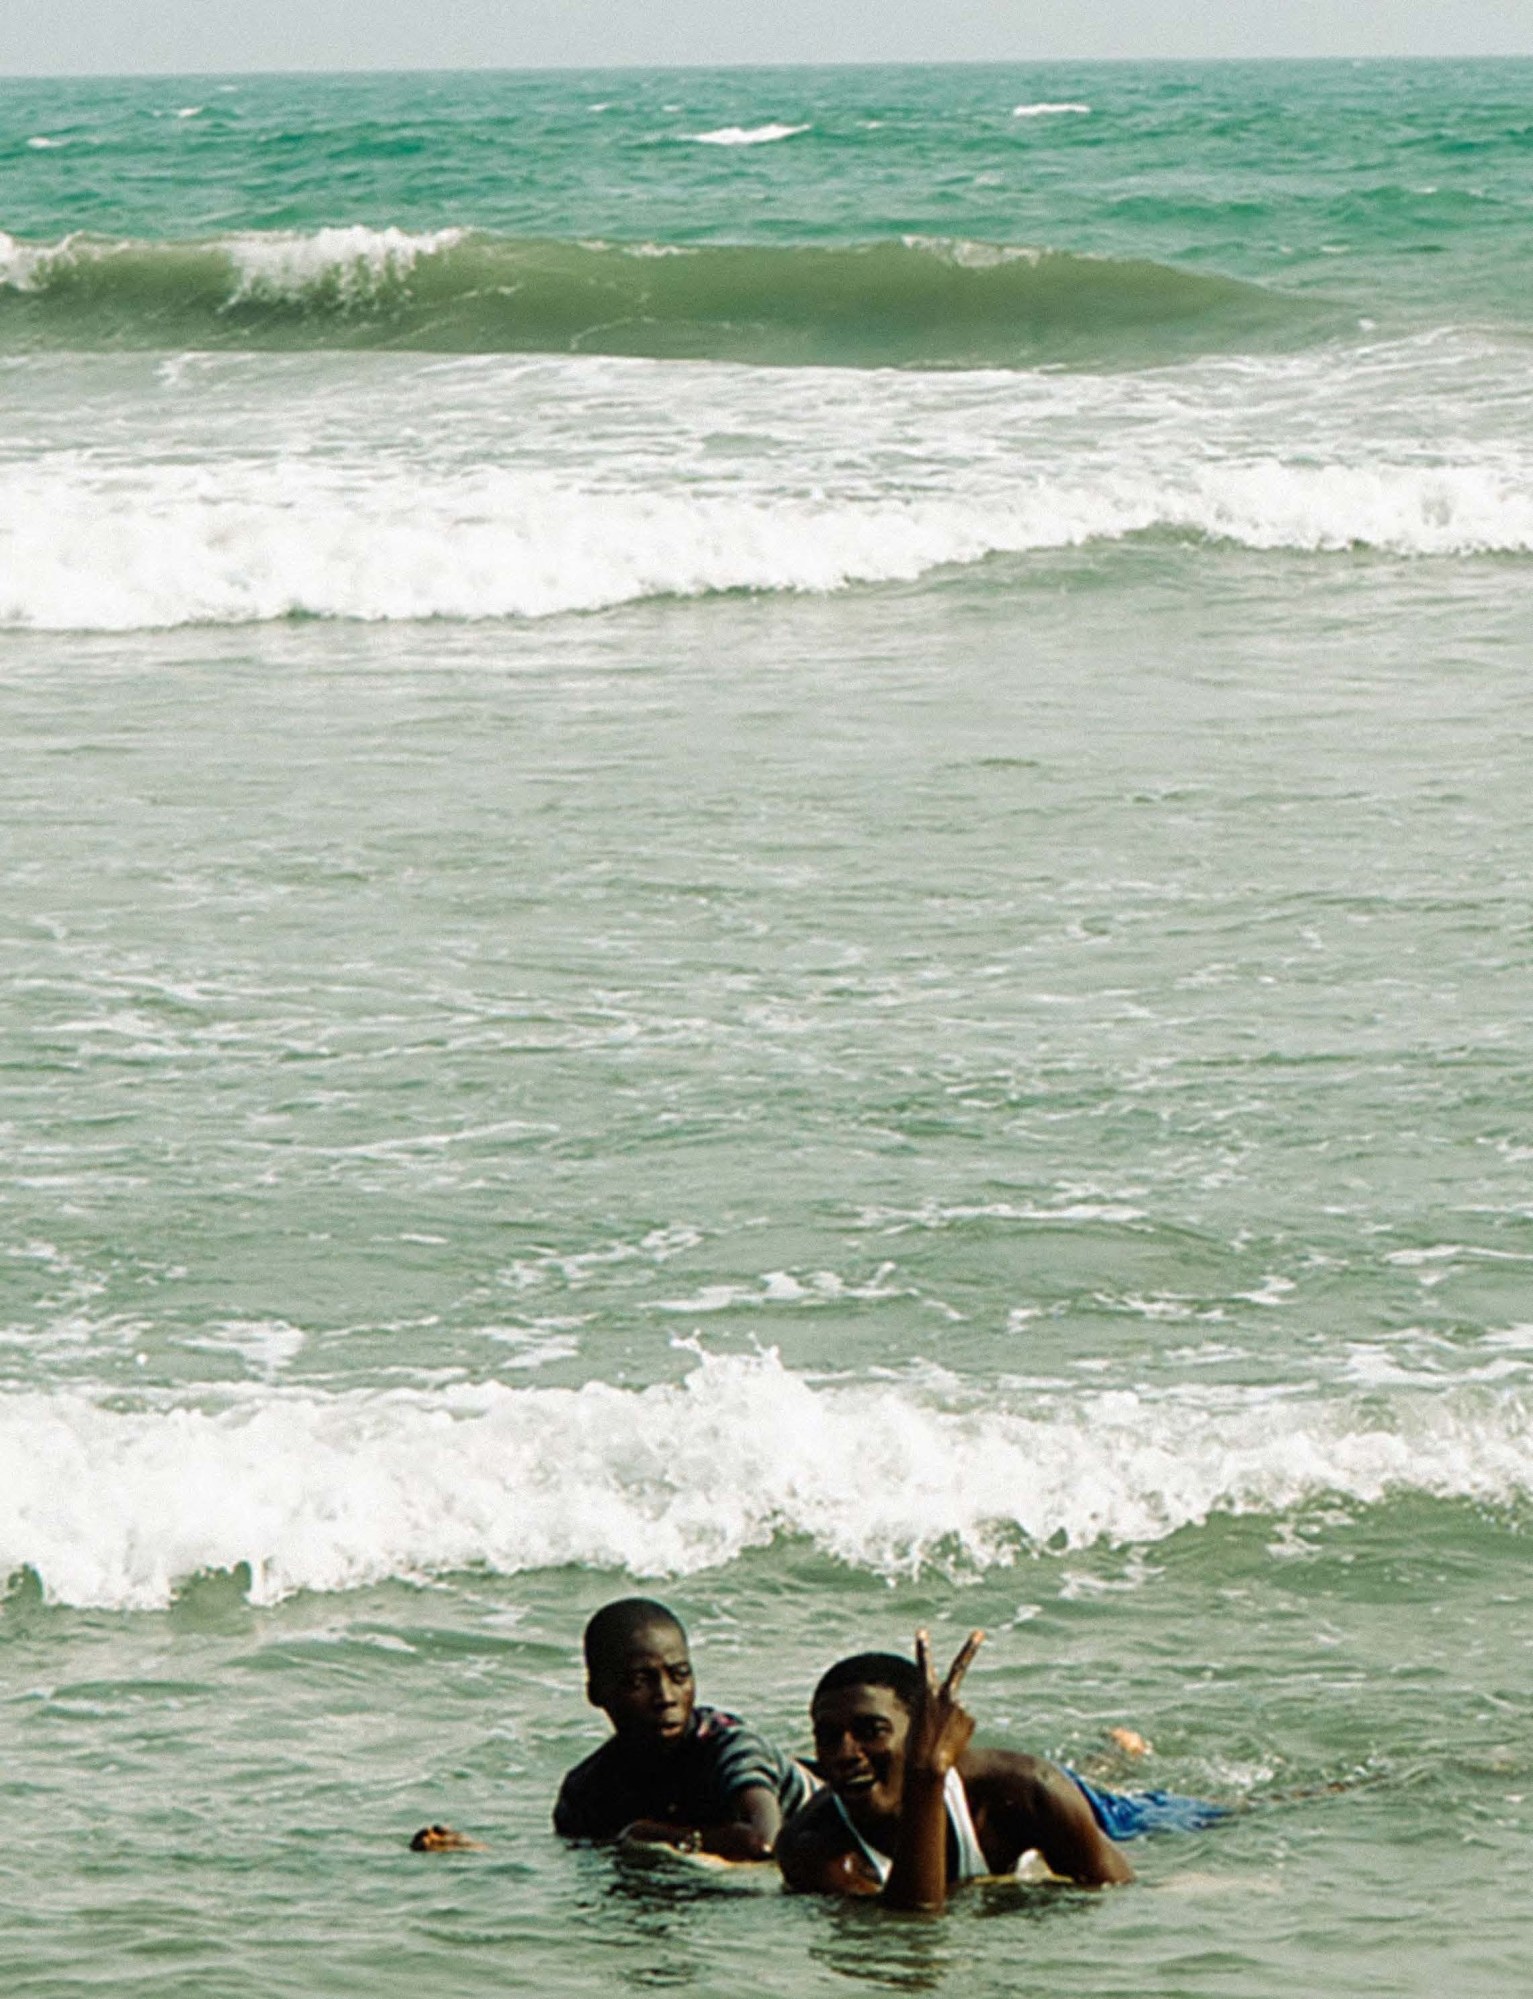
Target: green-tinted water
[1413,175]
[869,996]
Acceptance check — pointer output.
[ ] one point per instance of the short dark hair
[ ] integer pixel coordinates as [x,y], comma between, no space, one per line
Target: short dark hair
[615,1625]
[875,1669]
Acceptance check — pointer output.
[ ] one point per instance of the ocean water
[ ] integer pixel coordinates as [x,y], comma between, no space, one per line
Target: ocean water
[765,835]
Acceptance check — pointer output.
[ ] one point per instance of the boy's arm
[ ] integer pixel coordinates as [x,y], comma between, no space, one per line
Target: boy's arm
[745,1786]
[918,1878]
[940,1730]
[750,1835]
[1040,1807]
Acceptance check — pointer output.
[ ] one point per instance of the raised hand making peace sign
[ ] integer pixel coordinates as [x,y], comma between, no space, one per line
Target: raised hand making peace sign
[940,1726]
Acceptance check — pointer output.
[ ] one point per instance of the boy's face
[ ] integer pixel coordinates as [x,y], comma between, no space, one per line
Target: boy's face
[647,1688]
[859,1743]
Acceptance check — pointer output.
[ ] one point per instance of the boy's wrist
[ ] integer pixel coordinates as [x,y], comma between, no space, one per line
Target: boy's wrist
[924,1777]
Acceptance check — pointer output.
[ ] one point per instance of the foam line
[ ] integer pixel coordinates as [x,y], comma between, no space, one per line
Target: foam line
[92,547]
[114,1508]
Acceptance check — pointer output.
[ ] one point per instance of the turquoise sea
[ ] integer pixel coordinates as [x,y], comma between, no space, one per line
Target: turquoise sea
[765,835]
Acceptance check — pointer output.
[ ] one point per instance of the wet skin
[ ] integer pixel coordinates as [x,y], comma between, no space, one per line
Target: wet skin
[887,1765]
[648,1692]
[859,1745]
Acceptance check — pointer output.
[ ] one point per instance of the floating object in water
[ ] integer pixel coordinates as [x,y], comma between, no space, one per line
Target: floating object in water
[444,1839]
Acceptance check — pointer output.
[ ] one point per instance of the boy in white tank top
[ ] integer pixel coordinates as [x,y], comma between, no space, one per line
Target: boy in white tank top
[910,1808]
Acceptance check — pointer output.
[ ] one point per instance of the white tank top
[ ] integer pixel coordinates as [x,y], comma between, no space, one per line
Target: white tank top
[971,1860]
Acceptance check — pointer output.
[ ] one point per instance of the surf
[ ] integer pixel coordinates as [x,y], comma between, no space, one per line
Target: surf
[118,1507]
[93,547]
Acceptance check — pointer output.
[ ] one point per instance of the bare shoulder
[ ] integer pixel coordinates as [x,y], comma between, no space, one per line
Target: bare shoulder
[1009,1774]
[1022,1801]
[1017,1796]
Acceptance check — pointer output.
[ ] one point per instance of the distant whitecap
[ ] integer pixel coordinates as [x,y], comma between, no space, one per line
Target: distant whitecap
[1052,111]
[746,135]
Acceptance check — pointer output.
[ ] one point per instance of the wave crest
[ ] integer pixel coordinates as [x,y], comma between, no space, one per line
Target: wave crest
[350,267]
[115,1509]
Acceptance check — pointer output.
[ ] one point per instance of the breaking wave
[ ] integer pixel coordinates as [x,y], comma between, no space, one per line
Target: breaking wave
[117,1507]
[90,547]
[917,303]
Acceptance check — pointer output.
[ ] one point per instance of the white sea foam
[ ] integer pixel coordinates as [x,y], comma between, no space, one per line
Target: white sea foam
[781,1287]
[1052,111]
[351,263]
[746,135]
[170,546]
[353,260]
[84,547]
[264,1345]
[252,487]
[937,1215]
[116,1507]
[25,265]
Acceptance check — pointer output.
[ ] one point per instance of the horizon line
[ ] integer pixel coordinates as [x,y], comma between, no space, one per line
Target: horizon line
[836,62]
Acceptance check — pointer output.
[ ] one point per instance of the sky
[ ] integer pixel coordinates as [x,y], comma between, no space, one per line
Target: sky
[111,37]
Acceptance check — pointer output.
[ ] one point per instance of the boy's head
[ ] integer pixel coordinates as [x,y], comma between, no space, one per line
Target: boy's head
[638,1669]
[861,1715]
[875,1669]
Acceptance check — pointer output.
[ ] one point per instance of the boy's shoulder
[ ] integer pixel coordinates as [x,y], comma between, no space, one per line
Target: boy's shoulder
[726,1739]
[740,1758]
[716,1724]
[721,1756]
[577,1809]
[594,1764]
[605,1789]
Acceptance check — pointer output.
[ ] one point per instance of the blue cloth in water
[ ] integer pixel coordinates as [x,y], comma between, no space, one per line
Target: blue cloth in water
[1131,1814]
